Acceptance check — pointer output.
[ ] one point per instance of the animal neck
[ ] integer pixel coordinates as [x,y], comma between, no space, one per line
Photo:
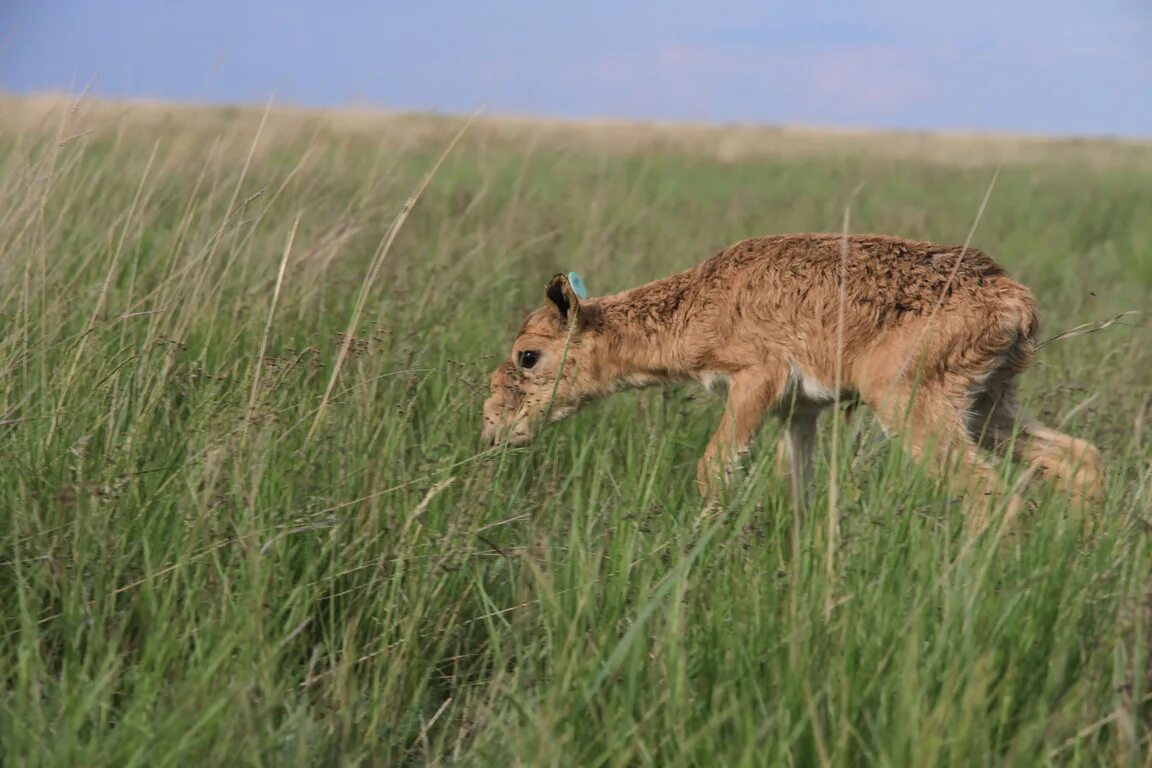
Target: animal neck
[643,333]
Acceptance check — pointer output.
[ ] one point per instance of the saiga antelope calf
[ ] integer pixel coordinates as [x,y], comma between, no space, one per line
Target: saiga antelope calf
[934,338]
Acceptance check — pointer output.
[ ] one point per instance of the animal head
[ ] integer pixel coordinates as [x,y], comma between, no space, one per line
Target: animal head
[550,372]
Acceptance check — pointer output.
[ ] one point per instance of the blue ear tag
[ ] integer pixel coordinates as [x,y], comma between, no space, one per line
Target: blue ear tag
[577,285]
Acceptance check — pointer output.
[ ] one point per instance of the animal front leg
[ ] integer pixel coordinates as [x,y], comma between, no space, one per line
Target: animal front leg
[749,398]
[794,452]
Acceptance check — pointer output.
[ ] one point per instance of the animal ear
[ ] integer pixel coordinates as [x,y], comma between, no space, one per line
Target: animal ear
[559,292]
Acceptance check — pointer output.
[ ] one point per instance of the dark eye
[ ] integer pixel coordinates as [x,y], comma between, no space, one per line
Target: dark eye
[528,358]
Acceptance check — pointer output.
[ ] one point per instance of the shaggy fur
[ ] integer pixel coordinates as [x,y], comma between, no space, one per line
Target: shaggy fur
[934,338]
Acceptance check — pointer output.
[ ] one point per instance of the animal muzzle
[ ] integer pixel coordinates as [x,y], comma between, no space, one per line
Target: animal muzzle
[502,427]
[496,435]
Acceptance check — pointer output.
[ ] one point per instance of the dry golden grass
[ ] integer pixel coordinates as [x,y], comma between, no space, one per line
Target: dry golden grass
[723,143]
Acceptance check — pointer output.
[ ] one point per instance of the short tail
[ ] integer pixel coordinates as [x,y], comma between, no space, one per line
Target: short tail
[1023,350]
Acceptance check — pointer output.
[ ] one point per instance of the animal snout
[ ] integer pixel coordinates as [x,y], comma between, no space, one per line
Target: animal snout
[490,434]
[496,434]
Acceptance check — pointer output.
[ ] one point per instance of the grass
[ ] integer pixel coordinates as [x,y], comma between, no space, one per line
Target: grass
[199,565]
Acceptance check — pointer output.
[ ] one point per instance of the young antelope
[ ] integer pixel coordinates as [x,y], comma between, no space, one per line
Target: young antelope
[933,340]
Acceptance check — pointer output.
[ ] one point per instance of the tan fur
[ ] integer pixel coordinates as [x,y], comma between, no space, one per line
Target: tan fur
[932,343]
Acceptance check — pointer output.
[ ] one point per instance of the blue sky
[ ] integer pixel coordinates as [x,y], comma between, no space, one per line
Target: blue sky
[1038,66]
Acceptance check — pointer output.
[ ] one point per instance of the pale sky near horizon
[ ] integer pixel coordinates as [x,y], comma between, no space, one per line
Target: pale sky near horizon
[1035,66]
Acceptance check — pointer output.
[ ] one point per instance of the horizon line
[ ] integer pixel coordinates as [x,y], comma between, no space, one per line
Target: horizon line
[384,110]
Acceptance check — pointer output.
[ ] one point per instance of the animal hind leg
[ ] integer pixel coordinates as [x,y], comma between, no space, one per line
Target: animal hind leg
[931,425]
[1070,463]
[1073,464]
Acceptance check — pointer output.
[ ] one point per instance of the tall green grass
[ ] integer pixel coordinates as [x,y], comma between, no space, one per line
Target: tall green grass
[199,566]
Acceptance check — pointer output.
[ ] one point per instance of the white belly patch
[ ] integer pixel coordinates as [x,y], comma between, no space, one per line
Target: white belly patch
[808,387]
[716,383]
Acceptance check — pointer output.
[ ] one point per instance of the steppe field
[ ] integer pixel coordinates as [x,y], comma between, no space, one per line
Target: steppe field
[247,519]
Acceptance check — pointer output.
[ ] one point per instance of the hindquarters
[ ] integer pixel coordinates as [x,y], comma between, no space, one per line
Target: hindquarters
[996,421]
[946,384]
[955,352]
